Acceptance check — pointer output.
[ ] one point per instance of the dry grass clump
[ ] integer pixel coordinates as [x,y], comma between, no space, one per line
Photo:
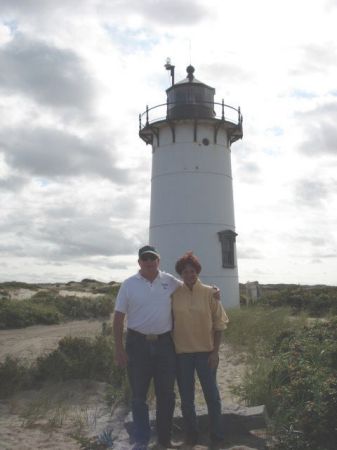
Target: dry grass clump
[74,358]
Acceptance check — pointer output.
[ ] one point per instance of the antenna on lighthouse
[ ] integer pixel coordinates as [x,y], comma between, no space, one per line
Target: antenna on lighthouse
[168,66]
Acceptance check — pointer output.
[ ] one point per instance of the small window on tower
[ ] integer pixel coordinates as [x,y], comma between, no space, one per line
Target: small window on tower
[227,240]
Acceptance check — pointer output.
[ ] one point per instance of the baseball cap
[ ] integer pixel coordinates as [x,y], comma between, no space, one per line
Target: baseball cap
[148,249]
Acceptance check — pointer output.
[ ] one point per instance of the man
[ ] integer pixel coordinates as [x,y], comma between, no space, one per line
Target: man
[149,353]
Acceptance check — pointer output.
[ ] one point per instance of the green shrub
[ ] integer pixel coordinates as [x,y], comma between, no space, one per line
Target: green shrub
[73,307]
[75,358]
[254,329]
[19,285]
[292,369]
[85,308]
[4,295]
[18,314]
[304,396]
[14,375]
[48,308]
[111,290]
[316,301]
[252,389]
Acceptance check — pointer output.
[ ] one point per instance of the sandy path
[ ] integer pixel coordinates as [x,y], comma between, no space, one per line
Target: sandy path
[75,403]
[25,419]
[33,341]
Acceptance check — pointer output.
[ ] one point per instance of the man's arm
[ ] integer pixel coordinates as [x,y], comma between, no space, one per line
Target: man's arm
[121,358]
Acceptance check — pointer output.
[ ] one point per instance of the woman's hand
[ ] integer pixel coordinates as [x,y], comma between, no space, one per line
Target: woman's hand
[213,359]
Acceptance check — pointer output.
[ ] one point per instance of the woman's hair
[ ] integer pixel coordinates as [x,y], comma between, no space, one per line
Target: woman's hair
[188,258]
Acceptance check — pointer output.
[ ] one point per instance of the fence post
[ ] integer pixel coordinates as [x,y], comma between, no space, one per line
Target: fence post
[147,115]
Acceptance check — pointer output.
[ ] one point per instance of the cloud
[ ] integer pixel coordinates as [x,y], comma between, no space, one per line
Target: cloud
[310,242]
[316,58]
[54,77]
[131,41]
[4,34]
[63,233]
[75,178]
[80,219]
[153,13]
[301,93]
[87,236]
[315,241]
[231,72]
[161,12]
[50,152]
[311,193]
[248,252]
[320,130]
[247,172]
[322,138]
[13,183]
[31,8]
[326,255]
[171,12]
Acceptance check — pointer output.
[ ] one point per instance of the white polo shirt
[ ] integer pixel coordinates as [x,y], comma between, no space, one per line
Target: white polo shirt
[147,305]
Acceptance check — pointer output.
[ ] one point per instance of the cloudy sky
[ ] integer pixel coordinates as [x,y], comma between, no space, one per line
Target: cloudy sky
[74,175]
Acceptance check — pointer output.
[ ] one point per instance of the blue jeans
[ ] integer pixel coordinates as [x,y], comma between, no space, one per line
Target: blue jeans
[187,365]
[151,360]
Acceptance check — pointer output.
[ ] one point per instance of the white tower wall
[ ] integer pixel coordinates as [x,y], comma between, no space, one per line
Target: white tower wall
[192,200]
[191,188]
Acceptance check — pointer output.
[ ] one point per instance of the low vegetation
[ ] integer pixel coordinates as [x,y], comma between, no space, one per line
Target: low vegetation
[291,365]
[48,307]
[75,358]
[317,301]
[288,340]
[302,388]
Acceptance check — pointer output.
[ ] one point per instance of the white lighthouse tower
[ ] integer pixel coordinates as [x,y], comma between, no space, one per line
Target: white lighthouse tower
[191,188]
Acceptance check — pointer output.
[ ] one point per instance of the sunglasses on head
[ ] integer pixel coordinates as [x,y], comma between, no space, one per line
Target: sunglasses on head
[148,256]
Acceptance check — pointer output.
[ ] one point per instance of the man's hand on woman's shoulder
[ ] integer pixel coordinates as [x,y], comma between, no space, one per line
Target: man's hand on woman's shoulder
[216,293]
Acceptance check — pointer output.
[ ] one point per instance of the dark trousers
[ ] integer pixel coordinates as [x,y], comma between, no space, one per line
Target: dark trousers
[151,360]
[187,365]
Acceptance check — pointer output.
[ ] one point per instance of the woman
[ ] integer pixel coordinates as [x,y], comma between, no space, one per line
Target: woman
[199,320]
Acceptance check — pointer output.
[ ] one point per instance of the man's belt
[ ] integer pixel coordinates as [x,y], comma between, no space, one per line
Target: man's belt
[149,337]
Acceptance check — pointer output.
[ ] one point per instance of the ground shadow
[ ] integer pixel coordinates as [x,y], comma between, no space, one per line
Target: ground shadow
[244,427]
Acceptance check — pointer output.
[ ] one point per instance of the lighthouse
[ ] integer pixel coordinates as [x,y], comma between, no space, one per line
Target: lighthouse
[192,207]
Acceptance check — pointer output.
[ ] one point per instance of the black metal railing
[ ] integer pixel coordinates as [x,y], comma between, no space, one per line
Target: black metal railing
[165,111]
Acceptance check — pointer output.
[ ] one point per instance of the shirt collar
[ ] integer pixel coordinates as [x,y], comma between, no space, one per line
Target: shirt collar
[195,287]
[140,277]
